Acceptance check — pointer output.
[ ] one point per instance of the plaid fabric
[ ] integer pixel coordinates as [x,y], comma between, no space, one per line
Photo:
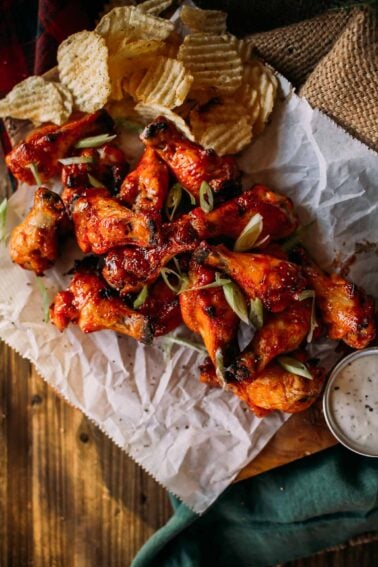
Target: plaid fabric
[31,30]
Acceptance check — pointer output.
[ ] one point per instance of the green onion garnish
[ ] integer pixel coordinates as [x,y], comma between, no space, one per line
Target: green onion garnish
[130,125]
[94,182]
[174,198]
[182,280]
[294,366]
[249,235]
[256,313]
[95,141]
[3,218]
[183,342]
[309,294]
[219,282]
[34,169]
[296,238]
[141,297]
[76,160]
[206,197]
[45,299]
[236,301]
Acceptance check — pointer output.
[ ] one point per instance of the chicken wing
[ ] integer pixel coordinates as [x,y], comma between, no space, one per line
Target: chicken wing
[162,307]
[346,310]
[45,146]
[282,332]
[129,269]
[274,388]
[229,219]
[102,223]
[89,303]
[190,163]
[270,279]
[34,244]
[207,312]
[145,188]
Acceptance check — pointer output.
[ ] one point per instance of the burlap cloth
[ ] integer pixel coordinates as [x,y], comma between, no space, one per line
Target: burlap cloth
[330,55]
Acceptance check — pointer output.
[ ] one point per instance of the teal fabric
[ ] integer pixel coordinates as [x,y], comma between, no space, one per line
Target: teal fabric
[289,512]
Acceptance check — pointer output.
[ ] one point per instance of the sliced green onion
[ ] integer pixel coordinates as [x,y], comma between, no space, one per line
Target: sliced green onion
[181,279]
[309,294]
[177,264]
[256,313]
[294,366]
[45,299]
[183,342]
[219,282]
[236,301]
[3,218]
[219,367]
[95,141]
[249,235]
[76,160]
[94,182]
[206,197]
[130,125]
[173,200]
[296,238]
[141,297]
[262,241]
[34,169]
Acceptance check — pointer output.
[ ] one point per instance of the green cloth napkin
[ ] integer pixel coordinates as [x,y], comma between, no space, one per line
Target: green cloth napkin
[278,516]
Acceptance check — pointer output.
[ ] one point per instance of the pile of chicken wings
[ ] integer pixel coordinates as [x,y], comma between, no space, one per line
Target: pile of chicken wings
[120,219]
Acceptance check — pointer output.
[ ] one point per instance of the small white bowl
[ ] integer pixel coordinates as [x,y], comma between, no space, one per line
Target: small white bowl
[357,390]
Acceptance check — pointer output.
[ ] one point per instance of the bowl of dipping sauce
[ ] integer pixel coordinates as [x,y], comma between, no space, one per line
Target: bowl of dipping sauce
[350,402]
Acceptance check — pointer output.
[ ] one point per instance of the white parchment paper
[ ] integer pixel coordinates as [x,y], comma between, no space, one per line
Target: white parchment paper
[191,438]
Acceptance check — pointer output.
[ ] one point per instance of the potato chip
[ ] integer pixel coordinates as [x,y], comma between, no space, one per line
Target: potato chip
[260,78]
[83,68]
[38,100]
[148,112]
[213,61]
[154,7]
[225,138]
[244,47]
[132,23]
[217,110]
[166,82]
[209,21]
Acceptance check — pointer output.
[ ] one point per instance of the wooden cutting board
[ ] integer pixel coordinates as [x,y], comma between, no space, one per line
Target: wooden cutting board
[302,435]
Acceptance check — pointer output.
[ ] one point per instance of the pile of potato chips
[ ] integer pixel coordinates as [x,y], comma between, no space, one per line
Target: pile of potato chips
[137,66]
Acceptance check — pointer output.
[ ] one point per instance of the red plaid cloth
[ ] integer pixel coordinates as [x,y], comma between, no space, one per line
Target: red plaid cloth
[31,30]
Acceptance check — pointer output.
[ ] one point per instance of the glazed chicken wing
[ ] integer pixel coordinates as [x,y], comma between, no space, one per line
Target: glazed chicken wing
[34,244]
[89,303]
[45,146]
[282,332]
[274,388]
[162,307]
[229,219]
[207,312]
[346,310]
[102,223]
[129,269]
[190,162]
[274,281]
[145,188]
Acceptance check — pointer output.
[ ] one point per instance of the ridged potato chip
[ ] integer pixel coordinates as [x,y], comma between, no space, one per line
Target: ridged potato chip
[83,68]
[213,61]
[166,82]
[148,112]
[209,21]
[260,78]
[132,23]
[217,110]
[38,100]
[243,46]
[154,7]
[225,138]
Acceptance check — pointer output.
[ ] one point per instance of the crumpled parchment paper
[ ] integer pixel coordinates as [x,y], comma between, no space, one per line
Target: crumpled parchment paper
[190,438]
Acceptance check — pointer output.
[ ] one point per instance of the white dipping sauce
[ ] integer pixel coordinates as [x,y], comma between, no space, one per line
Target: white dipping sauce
[351,406]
